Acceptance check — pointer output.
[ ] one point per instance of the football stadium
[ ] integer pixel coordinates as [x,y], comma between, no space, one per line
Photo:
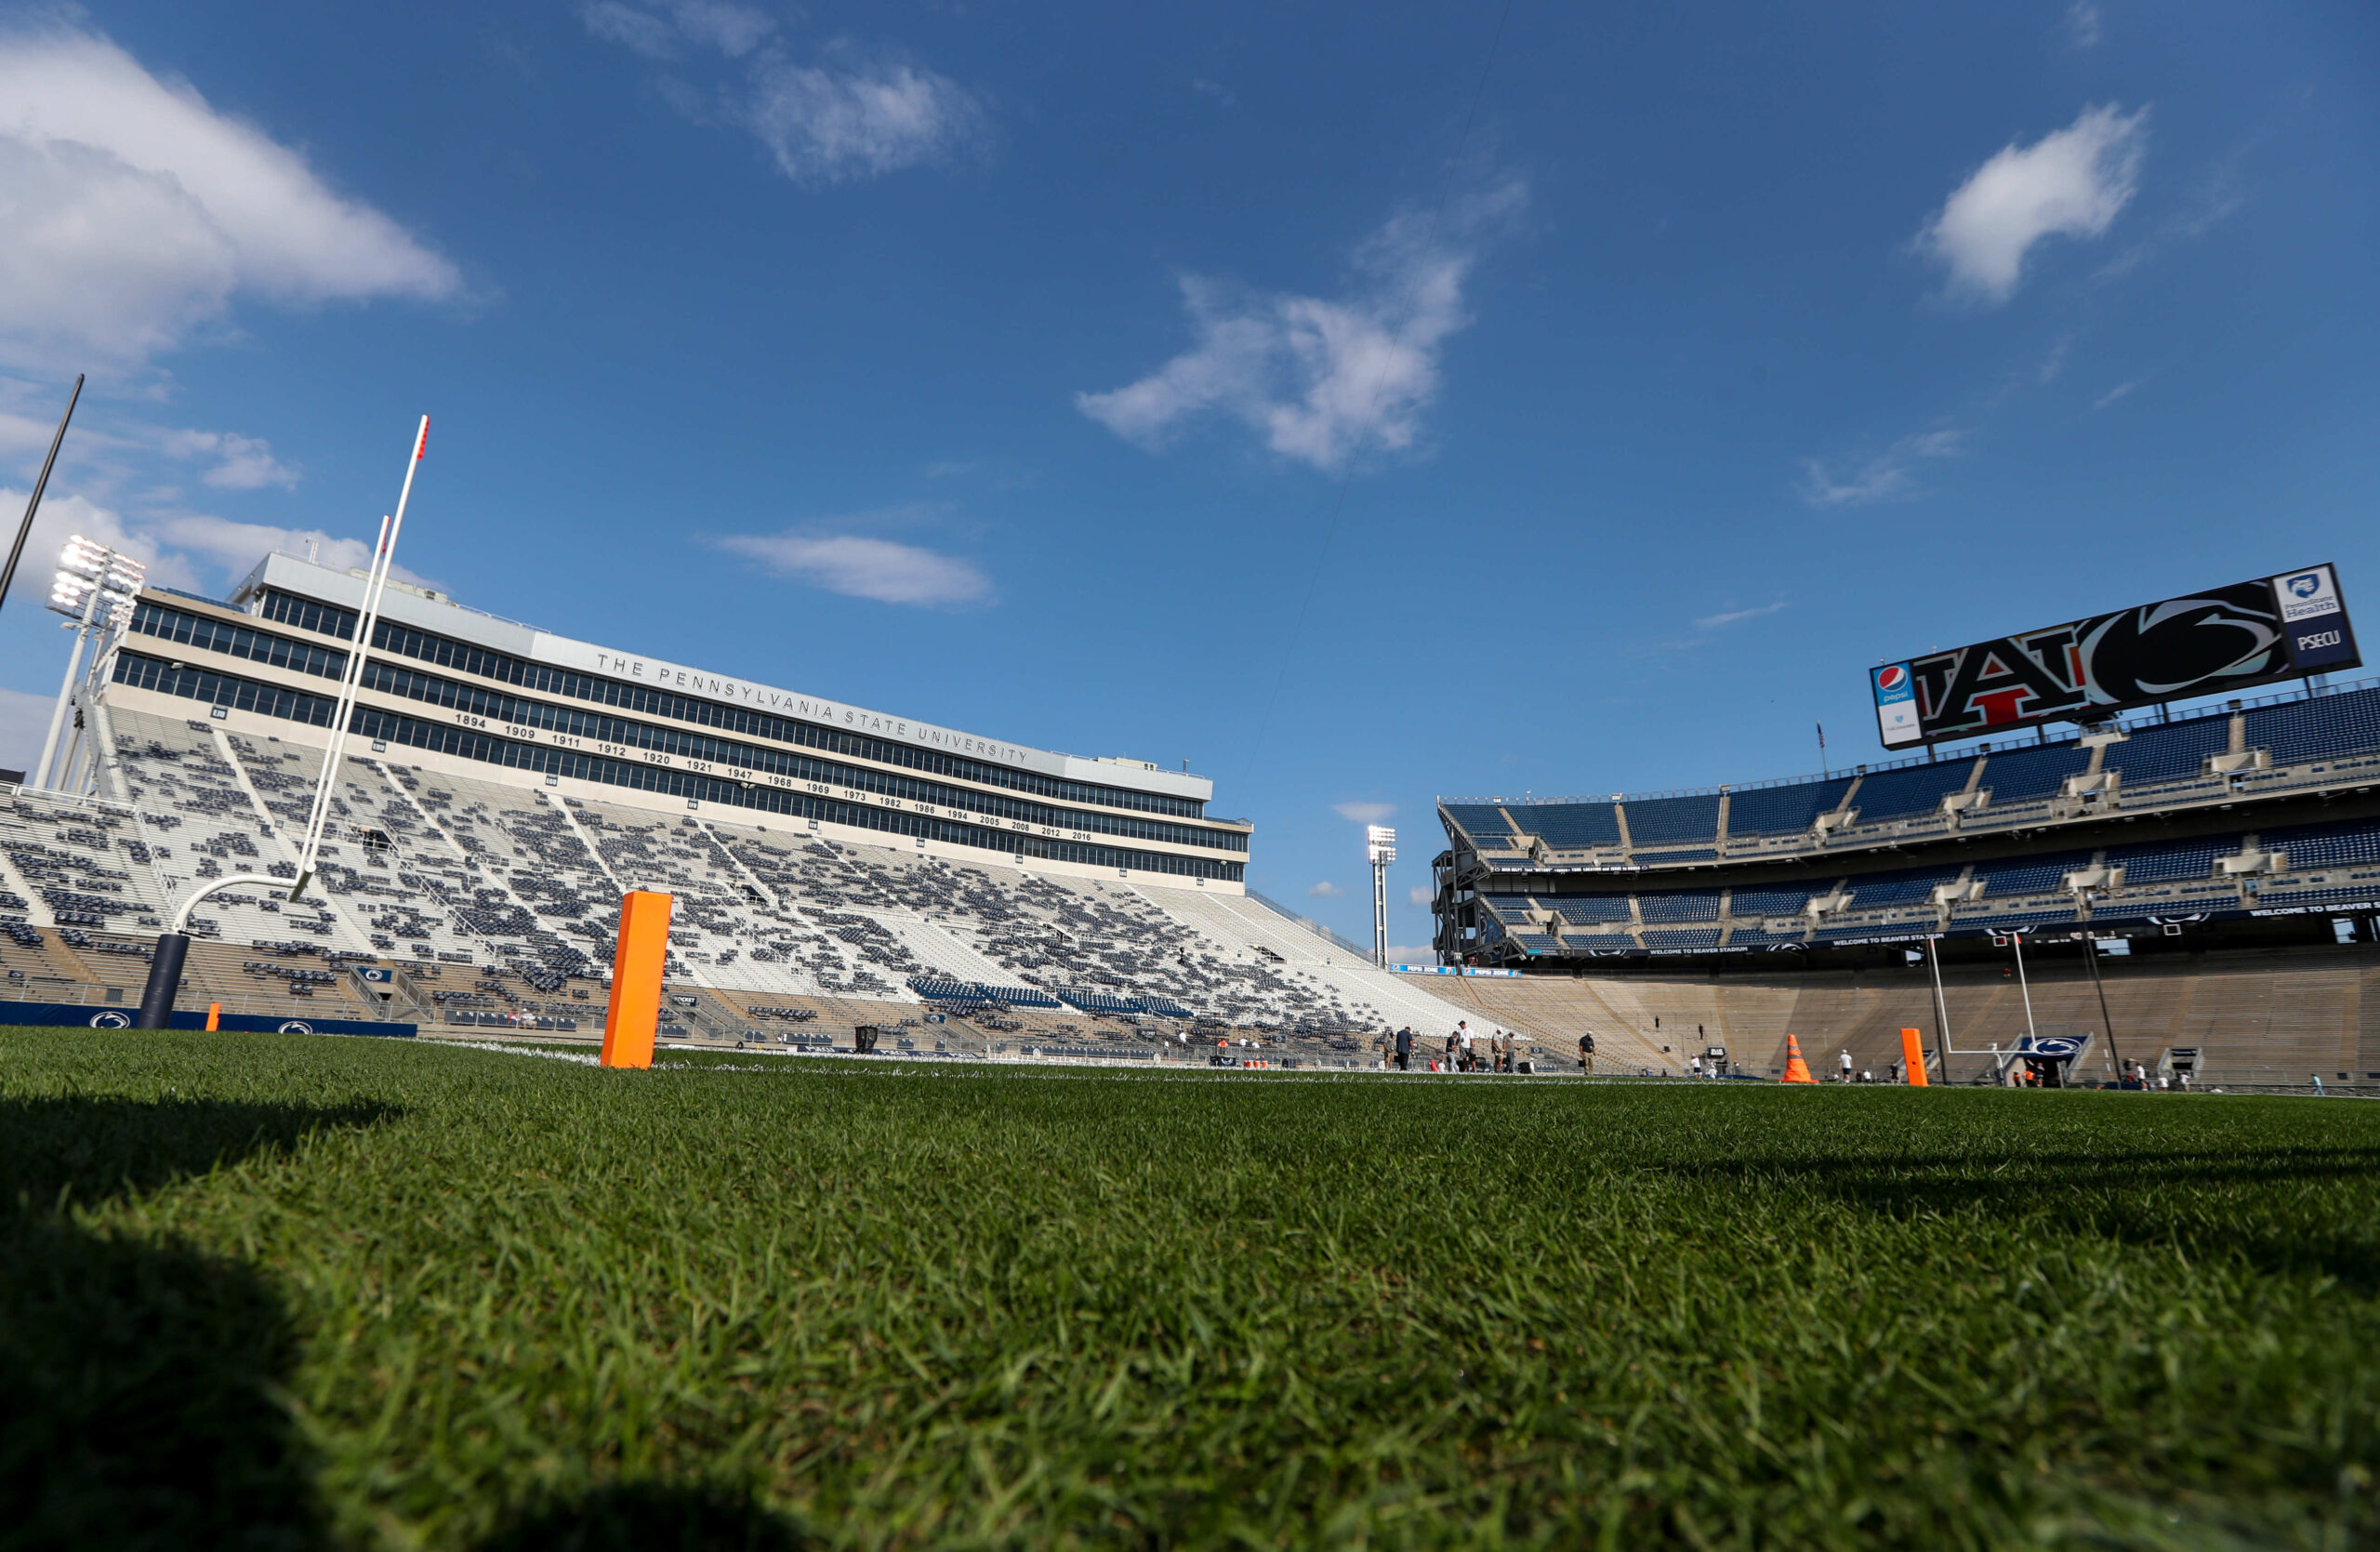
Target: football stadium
[601,1017]
[1034,1291]
[2203,883]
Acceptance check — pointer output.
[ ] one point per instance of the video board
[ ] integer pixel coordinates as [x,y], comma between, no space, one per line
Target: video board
[2222,639]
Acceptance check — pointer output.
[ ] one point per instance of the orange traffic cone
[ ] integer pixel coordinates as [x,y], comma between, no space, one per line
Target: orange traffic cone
[1797,1070]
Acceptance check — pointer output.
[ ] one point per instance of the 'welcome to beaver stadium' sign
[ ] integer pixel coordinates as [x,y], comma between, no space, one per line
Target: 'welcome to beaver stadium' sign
[2207,644]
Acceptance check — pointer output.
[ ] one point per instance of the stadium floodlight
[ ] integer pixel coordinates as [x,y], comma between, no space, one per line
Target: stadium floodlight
[94,587]
[1379,844]
[173,944]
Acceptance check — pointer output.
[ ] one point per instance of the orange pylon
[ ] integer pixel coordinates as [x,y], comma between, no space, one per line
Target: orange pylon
[1797,1070]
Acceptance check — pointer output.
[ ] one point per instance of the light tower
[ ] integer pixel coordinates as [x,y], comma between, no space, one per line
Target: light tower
[94,587]
[1380,841]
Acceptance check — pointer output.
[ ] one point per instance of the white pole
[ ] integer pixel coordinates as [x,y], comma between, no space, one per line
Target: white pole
[66,686]
[2019,938]
[383,558]
[1941,1001]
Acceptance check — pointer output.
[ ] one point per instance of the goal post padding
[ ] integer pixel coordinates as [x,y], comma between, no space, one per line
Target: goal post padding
[637,961]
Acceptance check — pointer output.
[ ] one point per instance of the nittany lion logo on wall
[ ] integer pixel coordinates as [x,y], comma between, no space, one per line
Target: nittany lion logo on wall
[111,1021]
[297,1027]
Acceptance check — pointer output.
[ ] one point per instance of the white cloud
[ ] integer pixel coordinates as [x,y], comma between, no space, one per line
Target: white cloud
[181,549]
[1888,476]
[1412,953]
[1325,890]
[1321,380]
[1418,896]
[25,722]
[851,113]
[136,212]
[861,568]
[732,29]
[2082,24]
[1363,813]
[62,516]
[850,117]
[1730,617]
[2113,394]
[2070,183]
[241,462]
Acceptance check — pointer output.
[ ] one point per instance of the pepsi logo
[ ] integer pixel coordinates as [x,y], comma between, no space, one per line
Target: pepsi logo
[1892,678]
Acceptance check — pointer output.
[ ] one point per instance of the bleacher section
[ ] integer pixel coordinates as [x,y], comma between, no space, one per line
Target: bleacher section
[497,904]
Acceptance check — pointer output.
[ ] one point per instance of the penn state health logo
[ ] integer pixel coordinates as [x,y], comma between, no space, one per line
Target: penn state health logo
[2306,586]
[1892,678]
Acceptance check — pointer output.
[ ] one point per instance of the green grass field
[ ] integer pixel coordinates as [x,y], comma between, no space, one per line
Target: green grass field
[280,1292]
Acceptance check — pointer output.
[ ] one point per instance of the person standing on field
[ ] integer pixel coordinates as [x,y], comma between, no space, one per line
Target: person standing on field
[1463,1032]
[1846,1067]
[1405,1048]
[1587,1052]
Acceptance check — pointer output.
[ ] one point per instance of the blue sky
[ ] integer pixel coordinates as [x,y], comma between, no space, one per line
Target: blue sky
[1361,403]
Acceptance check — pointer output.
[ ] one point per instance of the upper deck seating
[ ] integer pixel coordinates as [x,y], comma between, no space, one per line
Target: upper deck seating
[1787,810]
[1571,826]
[1913,792]
[1666,821]
[2161,752]
[2298,731]
[2027,773]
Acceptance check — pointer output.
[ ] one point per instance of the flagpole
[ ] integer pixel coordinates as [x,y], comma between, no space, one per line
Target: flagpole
[1823,771]
[375,585]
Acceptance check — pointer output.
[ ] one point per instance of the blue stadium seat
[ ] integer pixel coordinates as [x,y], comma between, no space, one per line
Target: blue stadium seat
[1786,810]
[2025,773]
[2160,752]
[1686,905]
[2030,875]
[1479,821]
[2315,846]
[1572,826]
[1911,887]
[1658,821]
[1910,792]
[2298,731]
[1681,937]
[2171,861]
[1587,911]
[1767,902]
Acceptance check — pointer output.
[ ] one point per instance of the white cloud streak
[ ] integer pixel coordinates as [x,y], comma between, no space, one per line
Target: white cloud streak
[2120,390]
[1732,617]
[2084,24]
[1419,894]
[239,462]
[1325,890]
[1321,380]
[1363,813]
[2070,183]
[136,212]
[857,567]
[1889,476]
[849,113]
[849,117]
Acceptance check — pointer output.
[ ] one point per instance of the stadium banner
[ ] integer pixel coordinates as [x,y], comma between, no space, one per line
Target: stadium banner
[1446,970]
[56,1014]
[2223,639]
